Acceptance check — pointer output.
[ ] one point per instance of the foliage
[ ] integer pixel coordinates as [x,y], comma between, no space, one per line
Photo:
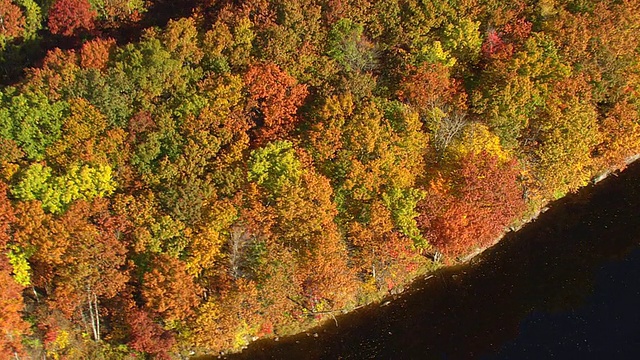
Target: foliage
[258,167]
[274,166]
[69,16]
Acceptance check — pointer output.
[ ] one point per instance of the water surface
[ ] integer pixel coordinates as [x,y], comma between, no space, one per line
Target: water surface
[565,286]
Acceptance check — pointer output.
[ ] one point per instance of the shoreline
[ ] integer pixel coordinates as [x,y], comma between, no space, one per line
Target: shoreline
[408,287]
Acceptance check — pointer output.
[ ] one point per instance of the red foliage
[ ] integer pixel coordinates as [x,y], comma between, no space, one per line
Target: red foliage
[11,19]
[276,96]
[148,336]
[68,16]
[492,44]
[431,86]
[485,198]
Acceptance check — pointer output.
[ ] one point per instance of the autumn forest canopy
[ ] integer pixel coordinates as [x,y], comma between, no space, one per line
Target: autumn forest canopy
[256,167]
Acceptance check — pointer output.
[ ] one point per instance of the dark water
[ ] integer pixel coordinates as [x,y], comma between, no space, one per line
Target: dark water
[564,287]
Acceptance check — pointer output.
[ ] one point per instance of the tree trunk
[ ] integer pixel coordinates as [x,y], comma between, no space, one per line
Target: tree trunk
[94,314]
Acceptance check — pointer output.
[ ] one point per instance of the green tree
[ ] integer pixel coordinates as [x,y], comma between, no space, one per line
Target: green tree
[32,120]
[274,166]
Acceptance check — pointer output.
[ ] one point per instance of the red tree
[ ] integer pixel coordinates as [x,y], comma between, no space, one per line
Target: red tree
[484,198]
[68,16]
[11,19]
[147,336]
[275,96]
[493,44]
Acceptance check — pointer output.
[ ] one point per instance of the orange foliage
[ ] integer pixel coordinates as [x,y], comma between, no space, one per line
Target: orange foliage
[95,53]
[169,290]
[11,19]
[482,200]
[67,17]
[12,327]
[275,97]
[432,86]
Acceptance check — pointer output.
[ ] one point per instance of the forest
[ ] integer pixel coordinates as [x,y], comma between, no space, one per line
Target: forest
[181,178]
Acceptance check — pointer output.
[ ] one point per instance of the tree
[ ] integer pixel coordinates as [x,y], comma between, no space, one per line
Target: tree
[67,17]
[621,135]
[274,97]
[228,321]
[95,54]
[93,266]
[56,192]
[521,88]
[568,134]
[383,257]
[32,18]
[274,166]
[32,120]
[82,131]
[12,326]
[181,39]
[464,40]
[347,46]
[6,216]
[325,133]
[148,336]
[472,210]
[116,12]
[169,290]
[431,86]
[11,21]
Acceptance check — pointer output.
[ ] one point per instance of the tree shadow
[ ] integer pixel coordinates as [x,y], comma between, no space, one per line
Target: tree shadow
[23,54]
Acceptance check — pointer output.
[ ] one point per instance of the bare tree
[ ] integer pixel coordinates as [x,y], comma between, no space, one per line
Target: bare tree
[447,130]
[238,240]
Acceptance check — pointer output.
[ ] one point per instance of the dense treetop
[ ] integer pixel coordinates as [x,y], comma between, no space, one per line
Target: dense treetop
[260,166]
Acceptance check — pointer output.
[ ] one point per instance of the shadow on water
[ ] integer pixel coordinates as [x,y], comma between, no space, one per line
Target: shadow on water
[545,273]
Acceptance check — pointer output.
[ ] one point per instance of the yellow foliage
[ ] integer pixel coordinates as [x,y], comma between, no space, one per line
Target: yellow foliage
[207,241]
[475,139]
[58,345]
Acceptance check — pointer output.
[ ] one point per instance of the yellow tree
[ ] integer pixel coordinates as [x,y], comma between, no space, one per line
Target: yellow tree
[568,134]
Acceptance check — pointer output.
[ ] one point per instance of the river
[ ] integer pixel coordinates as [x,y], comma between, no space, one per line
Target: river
[565,286]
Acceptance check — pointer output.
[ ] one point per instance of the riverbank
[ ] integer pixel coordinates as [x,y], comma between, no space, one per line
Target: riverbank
[419,283]
[470,309]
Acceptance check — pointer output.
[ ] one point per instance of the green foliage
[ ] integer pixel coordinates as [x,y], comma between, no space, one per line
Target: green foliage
[56,192]
[277,158]
[464,40]
[347,46]
[32,120]
[33,18]
[434,53]
[274,166]
[110,93]
[21,268]
[523,86]
[151,71]
[34,183]
[402,203]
